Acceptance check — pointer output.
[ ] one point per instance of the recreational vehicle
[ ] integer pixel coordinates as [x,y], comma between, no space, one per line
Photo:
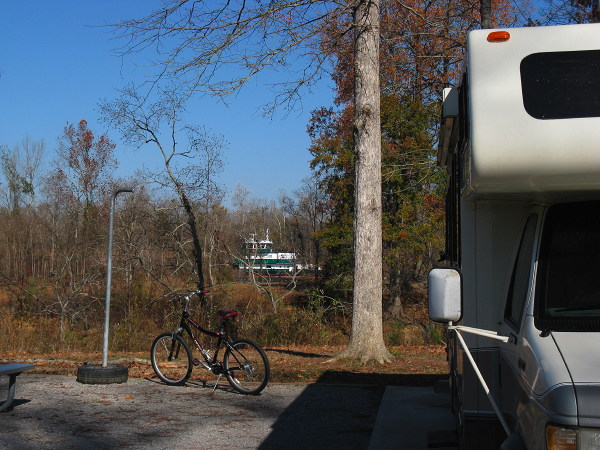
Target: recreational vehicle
[520,285]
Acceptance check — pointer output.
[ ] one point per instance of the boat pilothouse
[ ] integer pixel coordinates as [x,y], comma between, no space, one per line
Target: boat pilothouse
[258,255]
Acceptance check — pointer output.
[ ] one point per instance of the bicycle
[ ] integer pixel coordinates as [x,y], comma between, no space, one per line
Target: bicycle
[244,363]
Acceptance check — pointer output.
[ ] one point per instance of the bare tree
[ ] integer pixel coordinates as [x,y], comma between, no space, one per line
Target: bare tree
[309,211]
[16,183]
[199,43]
[572,11]
[21,168]
[274,284]
[142,122]
[73,289]
[32,153]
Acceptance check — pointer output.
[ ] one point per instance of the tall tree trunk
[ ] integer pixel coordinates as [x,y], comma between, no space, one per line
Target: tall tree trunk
[366,339]
[595,13]
[191,216]
[194,231]
[485,9]
[209,247]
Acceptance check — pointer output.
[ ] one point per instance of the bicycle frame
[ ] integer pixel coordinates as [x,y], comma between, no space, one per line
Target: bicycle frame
[243,362]
[186,321]
[186,325]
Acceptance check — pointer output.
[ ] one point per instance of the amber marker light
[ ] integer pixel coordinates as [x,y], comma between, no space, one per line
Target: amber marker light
[498,36]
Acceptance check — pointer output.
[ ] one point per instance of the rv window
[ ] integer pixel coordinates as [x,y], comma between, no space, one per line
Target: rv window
[568,287]
[561,85]
[519,284]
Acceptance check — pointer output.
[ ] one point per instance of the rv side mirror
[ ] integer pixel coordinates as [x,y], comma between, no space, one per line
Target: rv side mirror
[444,295]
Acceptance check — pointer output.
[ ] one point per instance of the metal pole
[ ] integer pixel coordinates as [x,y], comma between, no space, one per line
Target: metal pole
[108,272]
[483,383]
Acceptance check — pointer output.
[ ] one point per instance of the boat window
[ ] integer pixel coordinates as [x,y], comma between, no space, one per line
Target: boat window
[568,293]
[519,285]
[561,85]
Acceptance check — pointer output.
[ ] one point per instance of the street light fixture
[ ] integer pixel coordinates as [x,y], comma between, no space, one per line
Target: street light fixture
[114,373]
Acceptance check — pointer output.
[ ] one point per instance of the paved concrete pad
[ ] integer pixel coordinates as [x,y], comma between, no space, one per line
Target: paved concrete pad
[414,418]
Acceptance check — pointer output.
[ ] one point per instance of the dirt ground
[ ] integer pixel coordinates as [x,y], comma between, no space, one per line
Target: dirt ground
[57,412]
[412,365]
[310,403]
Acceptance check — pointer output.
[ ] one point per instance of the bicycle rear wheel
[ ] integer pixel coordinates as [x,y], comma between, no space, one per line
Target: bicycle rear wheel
[171,359]
[246,367]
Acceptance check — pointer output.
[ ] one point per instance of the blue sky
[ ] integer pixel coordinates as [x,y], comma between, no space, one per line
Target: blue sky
[57,64]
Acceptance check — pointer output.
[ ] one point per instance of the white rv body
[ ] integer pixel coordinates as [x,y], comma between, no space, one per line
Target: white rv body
[520,139]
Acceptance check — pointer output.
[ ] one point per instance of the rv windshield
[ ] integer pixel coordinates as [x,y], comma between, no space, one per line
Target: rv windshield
[568,281]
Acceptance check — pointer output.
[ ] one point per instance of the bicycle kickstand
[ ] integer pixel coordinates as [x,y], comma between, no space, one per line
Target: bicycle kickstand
[217,382]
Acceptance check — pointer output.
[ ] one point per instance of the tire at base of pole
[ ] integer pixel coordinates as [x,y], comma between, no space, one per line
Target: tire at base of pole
[96,374]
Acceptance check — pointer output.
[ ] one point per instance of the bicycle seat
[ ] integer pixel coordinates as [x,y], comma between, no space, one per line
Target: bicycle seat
[227,314]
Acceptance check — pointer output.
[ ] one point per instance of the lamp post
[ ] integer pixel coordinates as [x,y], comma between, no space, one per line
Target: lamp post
[106,374]
[109,271]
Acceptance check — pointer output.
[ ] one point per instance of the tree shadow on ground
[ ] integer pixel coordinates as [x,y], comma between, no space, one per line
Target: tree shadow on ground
[338,411]
[380,379]
[327,416]
[296,353]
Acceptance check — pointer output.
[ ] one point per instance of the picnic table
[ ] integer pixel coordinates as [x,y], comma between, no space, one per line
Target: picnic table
[12,370]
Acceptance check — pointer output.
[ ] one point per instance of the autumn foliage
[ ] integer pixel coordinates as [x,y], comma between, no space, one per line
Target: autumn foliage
[53,246]
[422,51]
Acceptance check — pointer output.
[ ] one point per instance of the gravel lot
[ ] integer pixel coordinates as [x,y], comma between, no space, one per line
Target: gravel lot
[53,411]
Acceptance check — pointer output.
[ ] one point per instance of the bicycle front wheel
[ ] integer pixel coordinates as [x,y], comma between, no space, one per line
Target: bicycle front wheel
[171,359]
[246,367]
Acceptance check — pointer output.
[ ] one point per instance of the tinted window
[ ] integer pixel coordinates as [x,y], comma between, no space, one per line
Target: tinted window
[561,85]
[568,286]
[519,285]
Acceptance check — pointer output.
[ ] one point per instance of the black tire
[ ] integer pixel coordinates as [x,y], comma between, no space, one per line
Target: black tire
[171,359]
[96,374]
[246,367]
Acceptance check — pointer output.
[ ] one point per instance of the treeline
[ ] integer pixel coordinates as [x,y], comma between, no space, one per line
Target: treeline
[53,235]
[175,232]
[54,231]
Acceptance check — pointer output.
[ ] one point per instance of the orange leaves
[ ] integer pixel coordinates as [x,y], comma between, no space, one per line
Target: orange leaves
[422,45]
[86,160]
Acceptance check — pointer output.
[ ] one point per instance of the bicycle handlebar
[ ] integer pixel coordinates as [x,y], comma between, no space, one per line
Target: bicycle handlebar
[186,297]
[196,292]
